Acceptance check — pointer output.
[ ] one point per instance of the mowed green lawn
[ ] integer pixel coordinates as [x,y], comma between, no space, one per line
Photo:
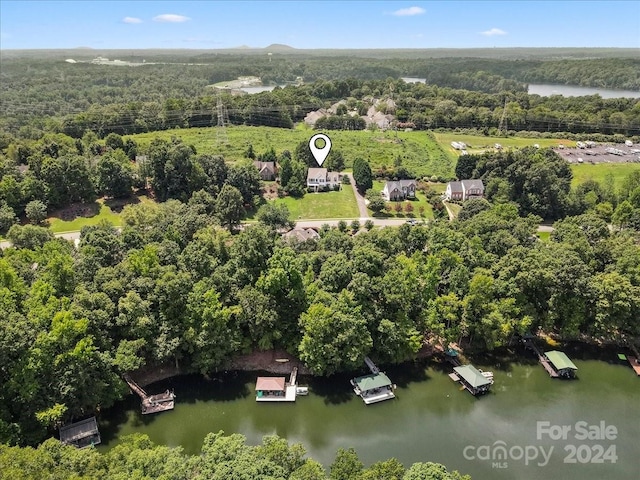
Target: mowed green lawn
[599,171]
[99,212]
[415,150]
[91,214]
[419,201]
[322,205]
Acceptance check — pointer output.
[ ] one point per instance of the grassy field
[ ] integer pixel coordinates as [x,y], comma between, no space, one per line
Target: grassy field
[478,143]
[416,150]
[599,171]
[340,204]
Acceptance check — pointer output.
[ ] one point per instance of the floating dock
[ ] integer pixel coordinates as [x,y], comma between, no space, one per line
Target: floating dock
[277,389]
[375,387]
[160,402]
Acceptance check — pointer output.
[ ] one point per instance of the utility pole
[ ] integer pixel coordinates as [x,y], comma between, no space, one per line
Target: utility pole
[503,119]
[223,120]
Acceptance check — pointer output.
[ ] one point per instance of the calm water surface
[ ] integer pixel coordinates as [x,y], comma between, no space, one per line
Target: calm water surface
[546,90]
[431,420]
[573,91]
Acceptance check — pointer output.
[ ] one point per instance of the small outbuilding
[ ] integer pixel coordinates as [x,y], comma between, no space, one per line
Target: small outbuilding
[81,434]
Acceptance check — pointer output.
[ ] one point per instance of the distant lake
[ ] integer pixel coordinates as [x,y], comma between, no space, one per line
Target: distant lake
[546,90]
[258,89]
[413,80]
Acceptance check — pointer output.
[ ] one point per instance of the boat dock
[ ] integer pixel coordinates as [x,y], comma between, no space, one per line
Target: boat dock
[474,381]
[152,403]
[375,387]
[635,364]
[530,344]
[277,389]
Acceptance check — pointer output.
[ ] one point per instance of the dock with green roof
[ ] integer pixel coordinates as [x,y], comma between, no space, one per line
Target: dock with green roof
[561,365]
[473,380]
[556,363]
[375,387]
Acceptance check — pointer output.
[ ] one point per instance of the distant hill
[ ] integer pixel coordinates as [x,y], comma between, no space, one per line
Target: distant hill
[278,47]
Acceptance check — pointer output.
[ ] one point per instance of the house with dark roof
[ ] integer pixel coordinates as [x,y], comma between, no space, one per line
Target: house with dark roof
[267,170]
[397,190]
[320,179]
[464,190]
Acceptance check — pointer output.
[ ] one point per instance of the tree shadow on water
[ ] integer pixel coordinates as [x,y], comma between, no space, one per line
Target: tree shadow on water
[335,389]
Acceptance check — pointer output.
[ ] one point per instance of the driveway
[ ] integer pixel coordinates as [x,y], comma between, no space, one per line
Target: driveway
[362,206]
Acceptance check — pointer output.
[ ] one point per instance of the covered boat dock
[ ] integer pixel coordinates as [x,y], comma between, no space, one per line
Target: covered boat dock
[373,388]
[561,364]
[81,434]
[472,379]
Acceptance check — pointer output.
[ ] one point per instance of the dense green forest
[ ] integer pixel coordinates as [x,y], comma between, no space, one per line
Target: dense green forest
[50,95]
[175,287]
[222,458]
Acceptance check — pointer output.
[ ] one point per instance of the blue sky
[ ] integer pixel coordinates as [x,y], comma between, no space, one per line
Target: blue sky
[318,24]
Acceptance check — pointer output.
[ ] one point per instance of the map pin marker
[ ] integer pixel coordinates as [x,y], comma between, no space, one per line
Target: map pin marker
[320,154]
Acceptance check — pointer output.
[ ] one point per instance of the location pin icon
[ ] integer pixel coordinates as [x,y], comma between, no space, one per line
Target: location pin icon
[320,154]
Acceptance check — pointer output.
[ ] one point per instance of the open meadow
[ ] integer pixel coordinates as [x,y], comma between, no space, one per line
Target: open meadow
[415,150]
[599,171]
[479,143]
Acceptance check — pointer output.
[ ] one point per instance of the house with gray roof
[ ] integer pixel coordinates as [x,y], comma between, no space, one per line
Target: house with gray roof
[399,190]
[267,170]
[464,190]
[301,235]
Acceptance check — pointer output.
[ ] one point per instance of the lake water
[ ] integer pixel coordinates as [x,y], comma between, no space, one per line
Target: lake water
[546,90]
[431,419]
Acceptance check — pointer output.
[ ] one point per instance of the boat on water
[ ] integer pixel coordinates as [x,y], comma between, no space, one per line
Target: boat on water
[487,375]
[302,390]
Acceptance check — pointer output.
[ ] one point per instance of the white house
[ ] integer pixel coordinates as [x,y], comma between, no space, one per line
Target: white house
[319,179]
[464,190]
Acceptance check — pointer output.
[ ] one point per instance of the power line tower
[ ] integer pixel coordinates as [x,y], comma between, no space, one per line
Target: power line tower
[223,121]
[503,120]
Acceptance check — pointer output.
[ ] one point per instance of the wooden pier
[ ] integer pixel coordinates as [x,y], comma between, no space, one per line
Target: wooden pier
[530,344]
[635,364]
[152,403]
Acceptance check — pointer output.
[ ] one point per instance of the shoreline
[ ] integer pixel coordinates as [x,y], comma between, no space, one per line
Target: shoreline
[278,361]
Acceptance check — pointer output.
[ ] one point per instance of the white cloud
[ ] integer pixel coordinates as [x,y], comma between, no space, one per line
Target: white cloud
[408,12]
[493,32]
[170,18]
[131,20]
